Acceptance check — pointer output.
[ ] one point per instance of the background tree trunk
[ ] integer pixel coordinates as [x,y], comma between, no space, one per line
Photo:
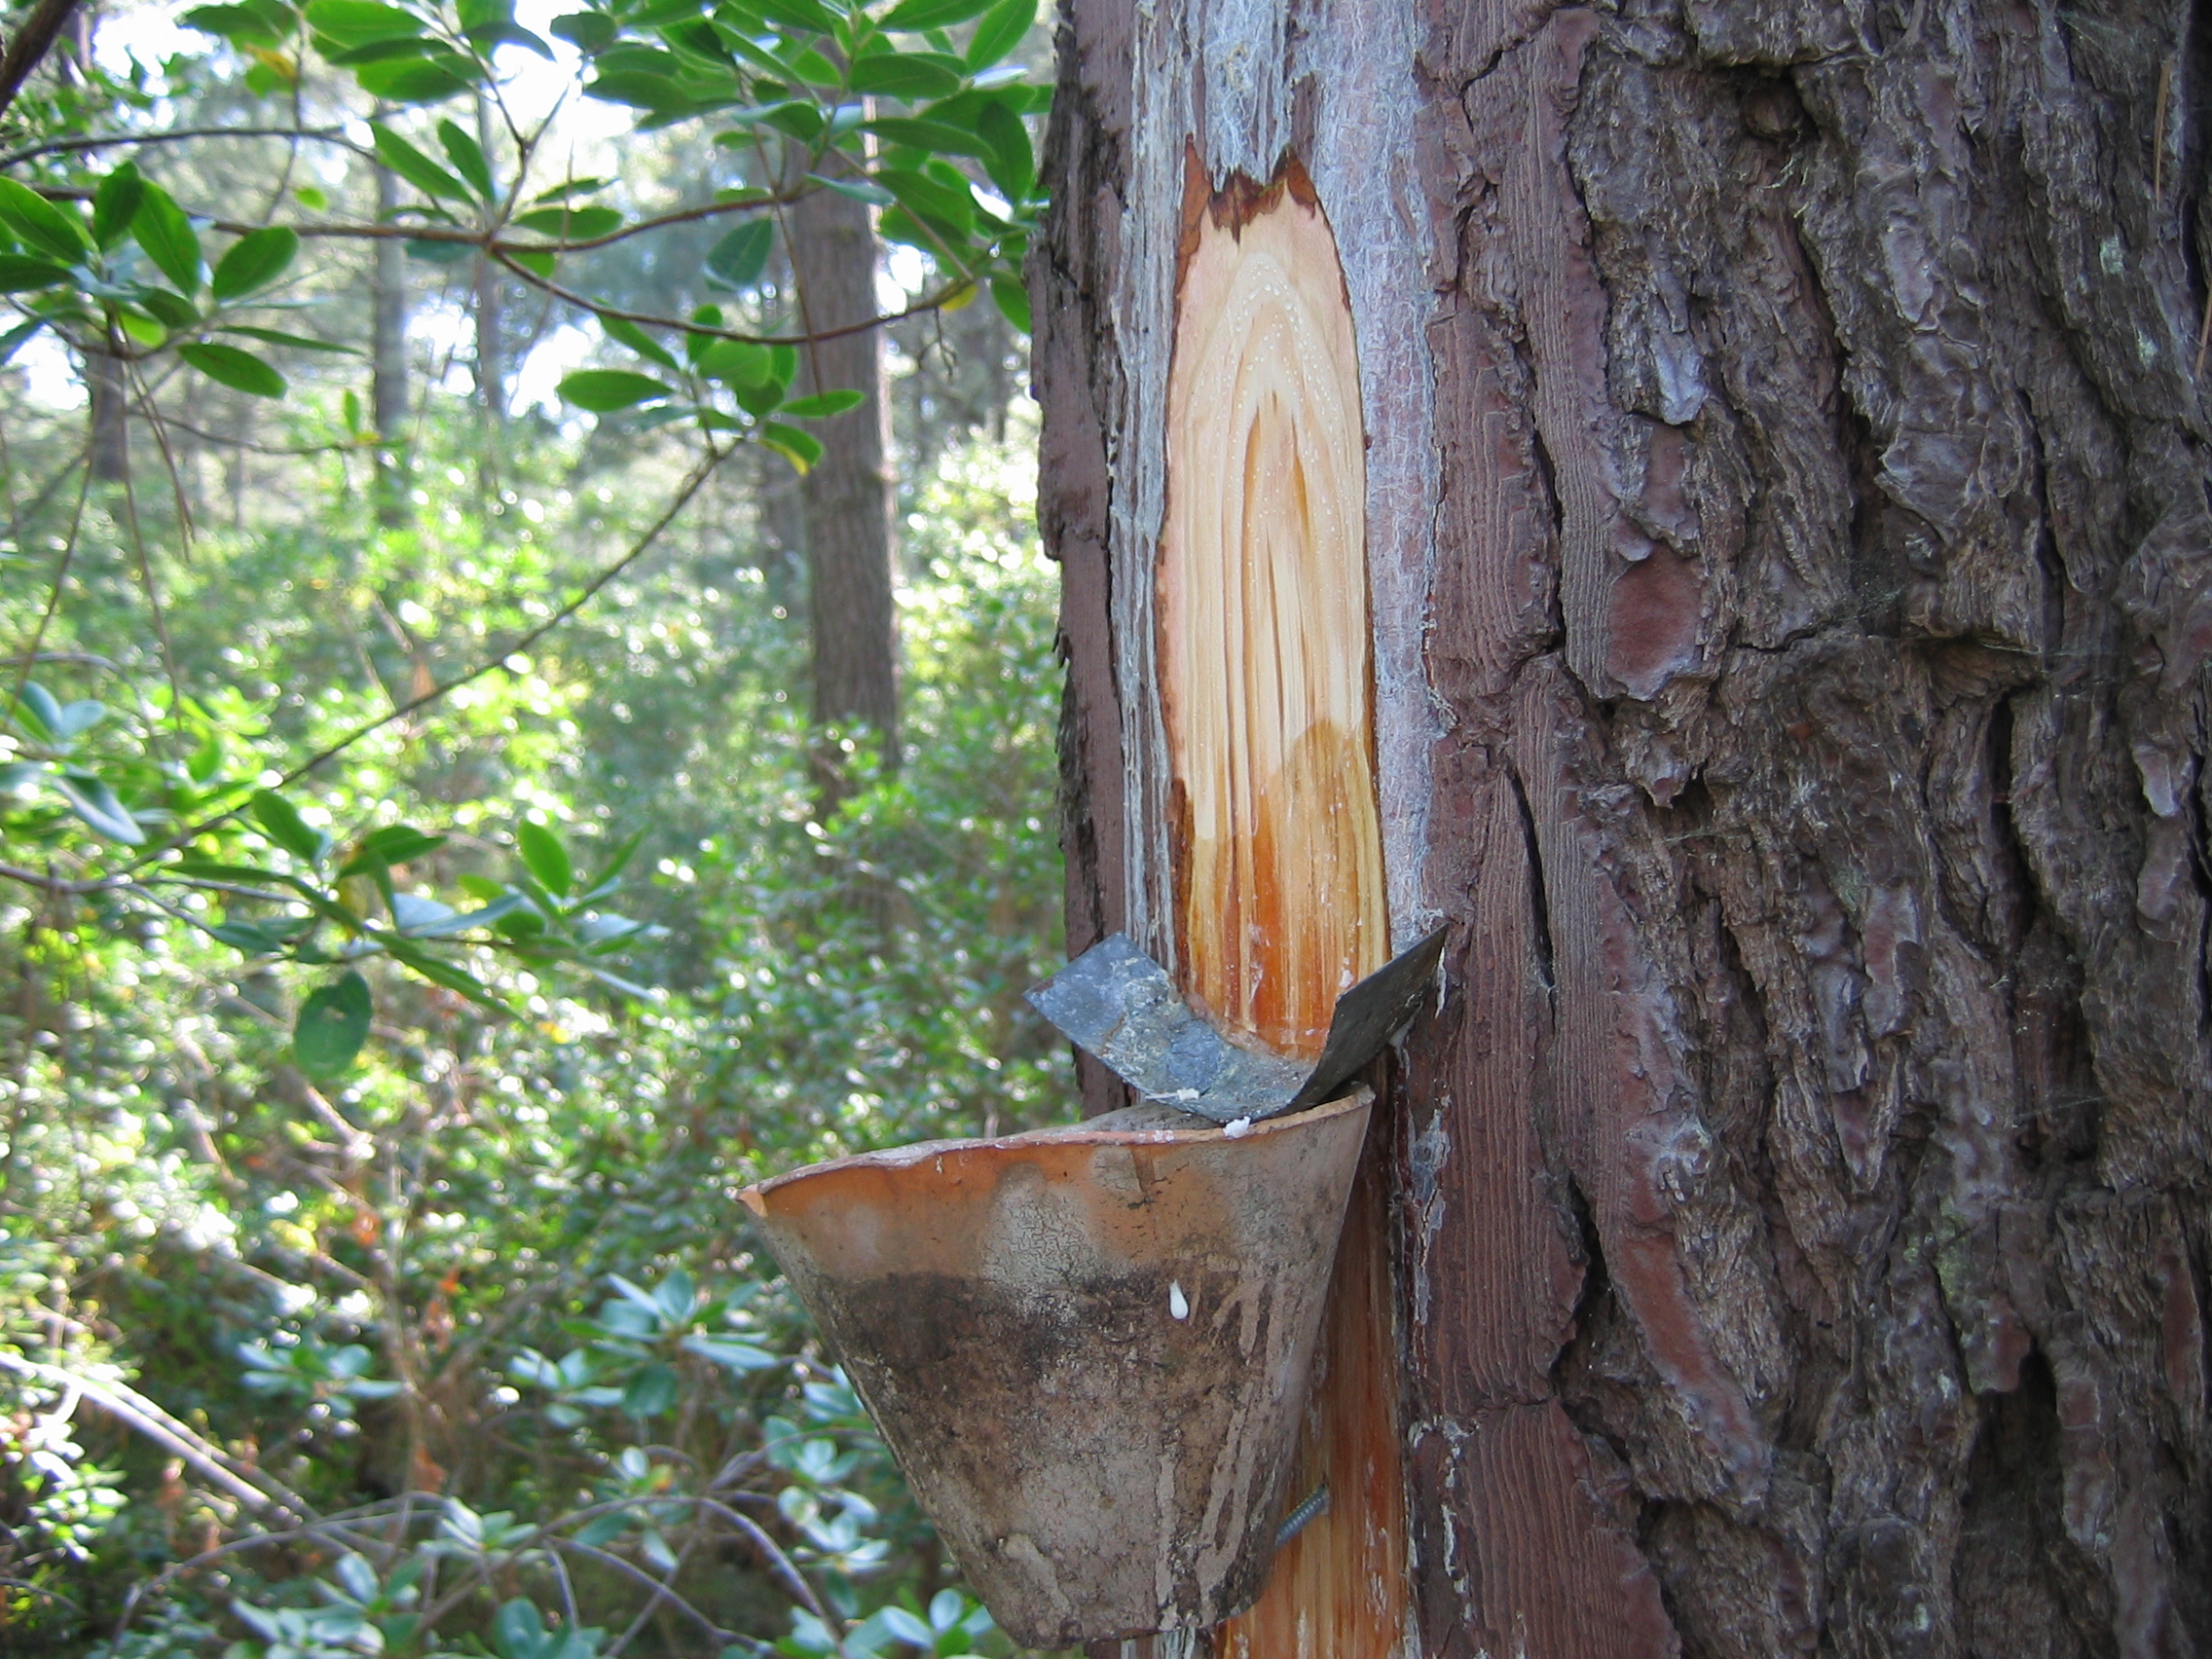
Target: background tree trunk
[845,499]
[1790,576]
[108,397]
[388,361]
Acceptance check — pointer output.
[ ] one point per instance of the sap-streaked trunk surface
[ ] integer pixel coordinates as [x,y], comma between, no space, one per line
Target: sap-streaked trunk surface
[1789,572]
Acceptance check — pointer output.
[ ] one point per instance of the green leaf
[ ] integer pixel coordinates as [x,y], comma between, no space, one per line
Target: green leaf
[545,856]
[798,14]
[442,973]
[518,1630]
[859,189]
[731,1353]
[801,449]
[93,800]
[485,40]
[381,849]
[43,710]
[931,199]
[823,405]
[935,136]
[255,939]
[299,341]
[467,158]
[39,704]
[736,362]
[162,228]
[628,333]
[227,365]
[999,32]
[18,271]
[42,227]
[72,721]
[739,258]
[536,261]
[408,51]
[357,22]
[115,204]
[603,879]
[910,75]
[604,391]
[1012,164]
[587,32]
[570,186]
[256,260]
[914,15]
[332,1024]
[695,345]
[417,169]
[652,1391]
[639,89]
[675,1297]
[1013,300]
[426,79]
[286,828]
[571,224]
[262,24]
[175,309]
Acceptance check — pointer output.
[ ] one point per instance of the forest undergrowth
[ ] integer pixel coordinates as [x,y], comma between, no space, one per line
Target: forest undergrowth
[474,1344]
[428,904]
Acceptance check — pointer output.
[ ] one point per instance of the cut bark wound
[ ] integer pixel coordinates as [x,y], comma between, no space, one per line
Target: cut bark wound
[1279,877]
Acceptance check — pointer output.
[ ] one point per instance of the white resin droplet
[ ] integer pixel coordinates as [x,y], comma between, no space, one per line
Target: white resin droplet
[1178,1303]
[1237,1128]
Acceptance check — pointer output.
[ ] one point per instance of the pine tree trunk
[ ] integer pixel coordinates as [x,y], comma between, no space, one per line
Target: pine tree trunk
[846,499]
[1789,589]
[388,361]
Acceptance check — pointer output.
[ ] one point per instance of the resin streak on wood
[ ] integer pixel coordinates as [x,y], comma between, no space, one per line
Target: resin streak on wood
[1279,897]
[1263,624]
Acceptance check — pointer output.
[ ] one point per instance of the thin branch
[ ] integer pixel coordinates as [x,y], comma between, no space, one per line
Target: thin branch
[503,251]
[338,446]
[782,1562]
[692,486]
[255,1488]
[609,1558]
[77,1607]
[79,659]
[61,579]
[599,307]
[178,134]
[663,1593]
[32,42]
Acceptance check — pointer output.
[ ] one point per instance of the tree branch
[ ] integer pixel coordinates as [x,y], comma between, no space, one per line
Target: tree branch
[178,134]
[32,42]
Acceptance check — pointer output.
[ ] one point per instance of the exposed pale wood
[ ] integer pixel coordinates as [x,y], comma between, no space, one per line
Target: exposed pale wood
[1263,624]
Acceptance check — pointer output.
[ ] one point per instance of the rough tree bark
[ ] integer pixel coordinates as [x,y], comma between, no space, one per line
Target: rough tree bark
[1790,571]
[846,499]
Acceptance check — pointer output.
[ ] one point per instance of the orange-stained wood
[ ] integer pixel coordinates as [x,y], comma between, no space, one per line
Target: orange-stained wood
[1280,899]
[1262,623]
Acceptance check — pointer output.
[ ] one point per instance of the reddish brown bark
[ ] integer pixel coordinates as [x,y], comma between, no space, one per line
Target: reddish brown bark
[1791,688]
